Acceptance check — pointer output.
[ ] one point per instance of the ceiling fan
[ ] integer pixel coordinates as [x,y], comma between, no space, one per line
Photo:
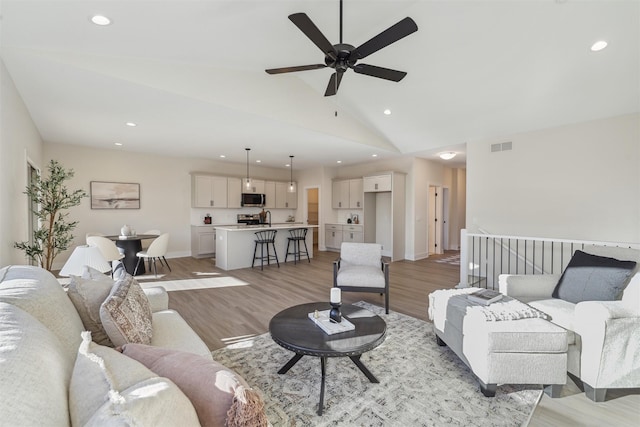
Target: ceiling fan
[343,56]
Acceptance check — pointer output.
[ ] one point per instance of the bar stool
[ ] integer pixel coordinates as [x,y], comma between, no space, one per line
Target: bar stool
[297,235]
[265,238]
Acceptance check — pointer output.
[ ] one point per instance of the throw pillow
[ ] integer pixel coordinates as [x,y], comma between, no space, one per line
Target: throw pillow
[87,294]
[593,278]
[108,388]
[221,397]
[126,313]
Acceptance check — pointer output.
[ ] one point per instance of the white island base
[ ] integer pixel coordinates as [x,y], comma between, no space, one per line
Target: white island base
[235,244]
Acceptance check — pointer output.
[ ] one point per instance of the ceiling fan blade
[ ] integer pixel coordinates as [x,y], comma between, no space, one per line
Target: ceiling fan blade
[293,69]
[382,73]
[334,84]
[302,21]
[385,38]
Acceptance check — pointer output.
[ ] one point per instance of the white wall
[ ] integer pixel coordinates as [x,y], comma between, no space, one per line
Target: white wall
[165,192]
[580,181]
[19,142]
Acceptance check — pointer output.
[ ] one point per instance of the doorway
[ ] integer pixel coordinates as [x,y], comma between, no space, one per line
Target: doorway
[313,213]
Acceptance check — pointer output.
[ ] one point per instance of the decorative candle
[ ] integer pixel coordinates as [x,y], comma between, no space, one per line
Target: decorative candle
[335,295]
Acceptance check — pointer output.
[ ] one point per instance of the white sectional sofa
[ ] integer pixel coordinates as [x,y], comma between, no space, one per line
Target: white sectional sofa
[605,350]
[41,380]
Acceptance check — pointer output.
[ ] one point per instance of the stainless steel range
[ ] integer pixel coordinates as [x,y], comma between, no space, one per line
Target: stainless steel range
[249,219]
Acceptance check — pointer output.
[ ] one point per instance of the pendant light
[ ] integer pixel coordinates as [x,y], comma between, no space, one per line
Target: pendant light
[292,185]
[247,183]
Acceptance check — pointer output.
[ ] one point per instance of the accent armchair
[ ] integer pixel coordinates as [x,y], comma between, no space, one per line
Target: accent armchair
[362,268]
[604,347]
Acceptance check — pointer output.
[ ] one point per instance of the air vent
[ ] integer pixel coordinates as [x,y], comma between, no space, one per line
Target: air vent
[505,146]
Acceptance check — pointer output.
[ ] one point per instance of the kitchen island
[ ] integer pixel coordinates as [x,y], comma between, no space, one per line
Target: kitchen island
[235,243]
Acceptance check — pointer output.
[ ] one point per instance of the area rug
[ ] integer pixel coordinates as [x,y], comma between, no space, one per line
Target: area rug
[421,384]
[191,284]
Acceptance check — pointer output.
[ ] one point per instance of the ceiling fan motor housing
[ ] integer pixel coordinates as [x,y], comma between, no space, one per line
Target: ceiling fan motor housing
[343,61]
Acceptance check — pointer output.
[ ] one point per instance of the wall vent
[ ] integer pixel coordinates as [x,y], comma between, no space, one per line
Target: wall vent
[505,146]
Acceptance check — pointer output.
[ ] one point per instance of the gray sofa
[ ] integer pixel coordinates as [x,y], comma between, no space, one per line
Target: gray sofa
[42,382]
[604,351]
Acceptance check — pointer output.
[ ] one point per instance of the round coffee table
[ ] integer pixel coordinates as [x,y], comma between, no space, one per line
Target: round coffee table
[293,330]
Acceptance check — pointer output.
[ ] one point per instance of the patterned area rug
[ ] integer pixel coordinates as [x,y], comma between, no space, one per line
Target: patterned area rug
[421,384]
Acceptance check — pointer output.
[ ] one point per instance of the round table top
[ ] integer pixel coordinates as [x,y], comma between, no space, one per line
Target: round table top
[136,237]
[293,330]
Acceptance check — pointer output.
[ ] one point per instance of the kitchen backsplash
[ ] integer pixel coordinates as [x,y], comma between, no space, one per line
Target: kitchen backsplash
[230,216]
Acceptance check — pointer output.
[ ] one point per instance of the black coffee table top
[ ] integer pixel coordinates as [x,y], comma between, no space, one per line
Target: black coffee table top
[293,330]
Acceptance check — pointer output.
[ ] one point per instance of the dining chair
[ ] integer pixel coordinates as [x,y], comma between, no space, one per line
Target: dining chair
[146,242]
[157,250]
[109,250]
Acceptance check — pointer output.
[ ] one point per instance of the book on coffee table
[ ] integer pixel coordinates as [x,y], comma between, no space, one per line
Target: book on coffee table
[328,325]
[485,296]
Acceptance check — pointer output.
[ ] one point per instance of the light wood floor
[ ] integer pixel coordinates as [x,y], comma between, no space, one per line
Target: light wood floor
[223,315]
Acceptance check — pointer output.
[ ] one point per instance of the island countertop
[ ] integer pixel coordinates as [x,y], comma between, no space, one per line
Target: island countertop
[235,244]
[258,227]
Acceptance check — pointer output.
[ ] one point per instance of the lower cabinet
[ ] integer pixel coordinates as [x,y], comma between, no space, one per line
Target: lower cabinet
[335,234]
[203,241]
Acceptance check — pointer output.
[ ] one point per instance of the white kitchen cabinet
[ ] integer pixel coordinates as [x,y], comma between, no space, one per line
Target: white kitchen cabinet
[333,236]
[257,187]
[377,183]
[352,233]
[234,192]
[355,193]
[270,194]
[340,194]
[208,191]
[291,201]
[203,241]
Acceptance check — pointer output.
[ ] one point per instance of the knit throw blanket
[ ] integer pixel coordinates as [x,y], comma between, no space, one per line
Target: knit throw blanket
[507,310]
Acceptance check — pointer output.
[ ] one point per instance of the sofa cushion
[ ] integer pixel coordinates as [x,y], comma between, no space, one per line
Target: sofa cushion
[593,278]
[87,295]
[221,397]
[170,330]
[37,291]
[126,313]
[33,371]
[108,388]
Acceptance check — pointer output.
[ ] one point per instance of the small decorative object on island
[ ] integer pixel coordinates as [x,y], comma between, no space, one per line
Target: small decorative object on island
[335,302]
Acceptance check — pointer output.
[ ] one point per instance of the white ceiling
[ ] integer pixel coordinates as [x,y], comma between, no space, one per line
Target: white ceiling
[191,74]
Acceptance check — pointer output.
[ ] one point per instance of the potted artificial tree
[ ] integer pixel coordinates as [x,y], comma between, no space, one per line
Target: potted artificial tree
[51,198]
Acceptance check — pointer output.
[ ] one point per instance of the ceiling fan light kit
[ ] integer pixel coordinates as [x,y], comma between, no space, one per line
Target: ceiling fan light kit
[343,56]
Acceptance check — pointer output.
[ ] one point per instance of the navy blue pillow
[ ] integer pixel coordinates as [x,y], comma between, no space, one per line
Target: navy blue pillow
[593,278]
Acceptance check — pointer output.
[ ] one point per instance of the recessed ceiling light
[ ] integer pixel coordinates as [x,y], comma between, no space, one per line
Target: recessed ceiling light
[100,20]
[287,165]
[387,112]
[131,124]
[374,155]
[598,46]
[448,155]
[119,144]
[222,156]
[339,161]
[258,161]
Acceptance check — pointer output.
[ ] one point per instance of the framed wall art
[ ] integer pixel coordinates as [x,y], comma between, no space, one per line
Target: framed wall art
[115,195]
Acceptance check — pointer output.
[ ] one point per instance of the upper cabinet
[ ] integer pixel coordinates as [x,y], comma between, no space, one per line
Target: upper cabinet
[257,187]
[355,193]
[209,191]
[347,194]
[234,191]
[377,183]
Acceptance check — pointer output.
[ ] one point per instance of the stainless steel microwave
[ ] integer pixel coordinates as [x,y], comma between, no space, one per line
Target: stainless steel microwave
[252,199]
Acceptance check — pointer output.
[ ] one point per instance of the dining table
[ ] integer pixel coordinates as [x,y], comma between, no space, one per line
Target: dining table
[131,245]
